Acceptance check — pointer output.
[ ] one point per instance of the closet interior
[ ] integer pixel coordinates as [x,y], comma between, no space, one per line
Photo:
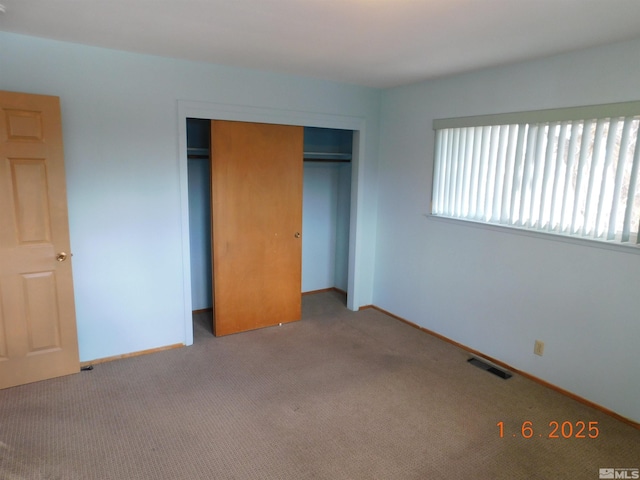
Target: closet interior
[325,211]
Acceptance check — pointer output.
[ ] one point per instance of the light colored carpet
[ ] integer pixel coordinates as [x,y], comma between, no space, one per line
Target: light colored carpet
[339,395]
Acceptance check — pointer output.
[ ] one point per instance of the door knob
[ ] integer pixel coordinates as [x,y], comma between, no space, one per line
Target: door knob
[297,235]
[61,257]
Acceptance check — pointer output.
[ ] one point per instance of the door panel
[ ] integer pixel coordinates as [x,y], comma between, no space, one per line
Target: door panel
[29,185]
[256,195]
[4,353]
[43,322]
[38,338]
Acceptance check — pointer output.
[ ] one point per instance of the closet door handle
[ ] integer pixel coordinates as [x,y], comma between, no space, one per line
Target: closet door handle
[297,235]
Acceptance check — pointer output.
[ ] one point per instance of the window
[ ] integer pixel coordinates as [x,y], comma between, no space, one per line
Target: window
[572,171]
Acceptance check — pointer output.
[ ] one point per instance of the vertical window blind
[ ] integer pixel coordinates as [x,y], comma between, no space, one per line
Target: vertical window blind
[571,171]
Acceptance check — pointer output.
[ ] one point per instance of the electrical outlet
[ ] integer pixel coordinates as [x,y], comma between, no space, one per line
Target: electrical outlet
[538,347]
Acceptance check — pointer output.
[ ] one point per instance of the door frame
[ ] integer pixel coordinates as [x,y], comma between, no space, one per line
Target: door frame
[245,113]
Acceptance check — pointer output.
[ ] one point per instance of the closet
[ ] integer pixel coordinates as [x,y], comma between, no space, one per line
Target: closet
[326,209]
[199,170]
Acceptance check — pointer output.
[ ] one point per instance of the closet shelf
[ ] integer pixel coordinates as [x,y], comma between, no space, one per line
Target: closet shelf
[308,156]
[197,152]
[327,157]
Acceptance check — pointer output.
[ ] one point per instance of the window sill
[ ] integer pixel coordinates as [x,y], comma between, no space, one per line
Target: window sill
[603,244]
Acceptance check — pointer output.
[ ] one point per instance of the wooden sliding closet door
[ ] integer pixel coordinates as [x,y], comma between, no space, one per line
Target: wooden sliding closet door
[256,197]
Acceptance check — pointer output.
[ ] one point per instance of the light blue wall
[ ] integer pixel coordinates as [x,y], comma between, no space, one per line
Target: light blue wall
[342,226]
[121,133]
[497,292]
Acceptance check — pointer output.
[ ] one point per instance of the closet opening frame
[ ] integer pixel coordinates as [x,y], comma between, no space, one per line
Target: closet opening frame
[244,113]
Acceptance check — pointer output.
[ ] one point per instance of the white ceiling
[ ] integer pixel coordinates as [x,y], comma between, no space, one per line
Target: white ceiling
[378,43]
